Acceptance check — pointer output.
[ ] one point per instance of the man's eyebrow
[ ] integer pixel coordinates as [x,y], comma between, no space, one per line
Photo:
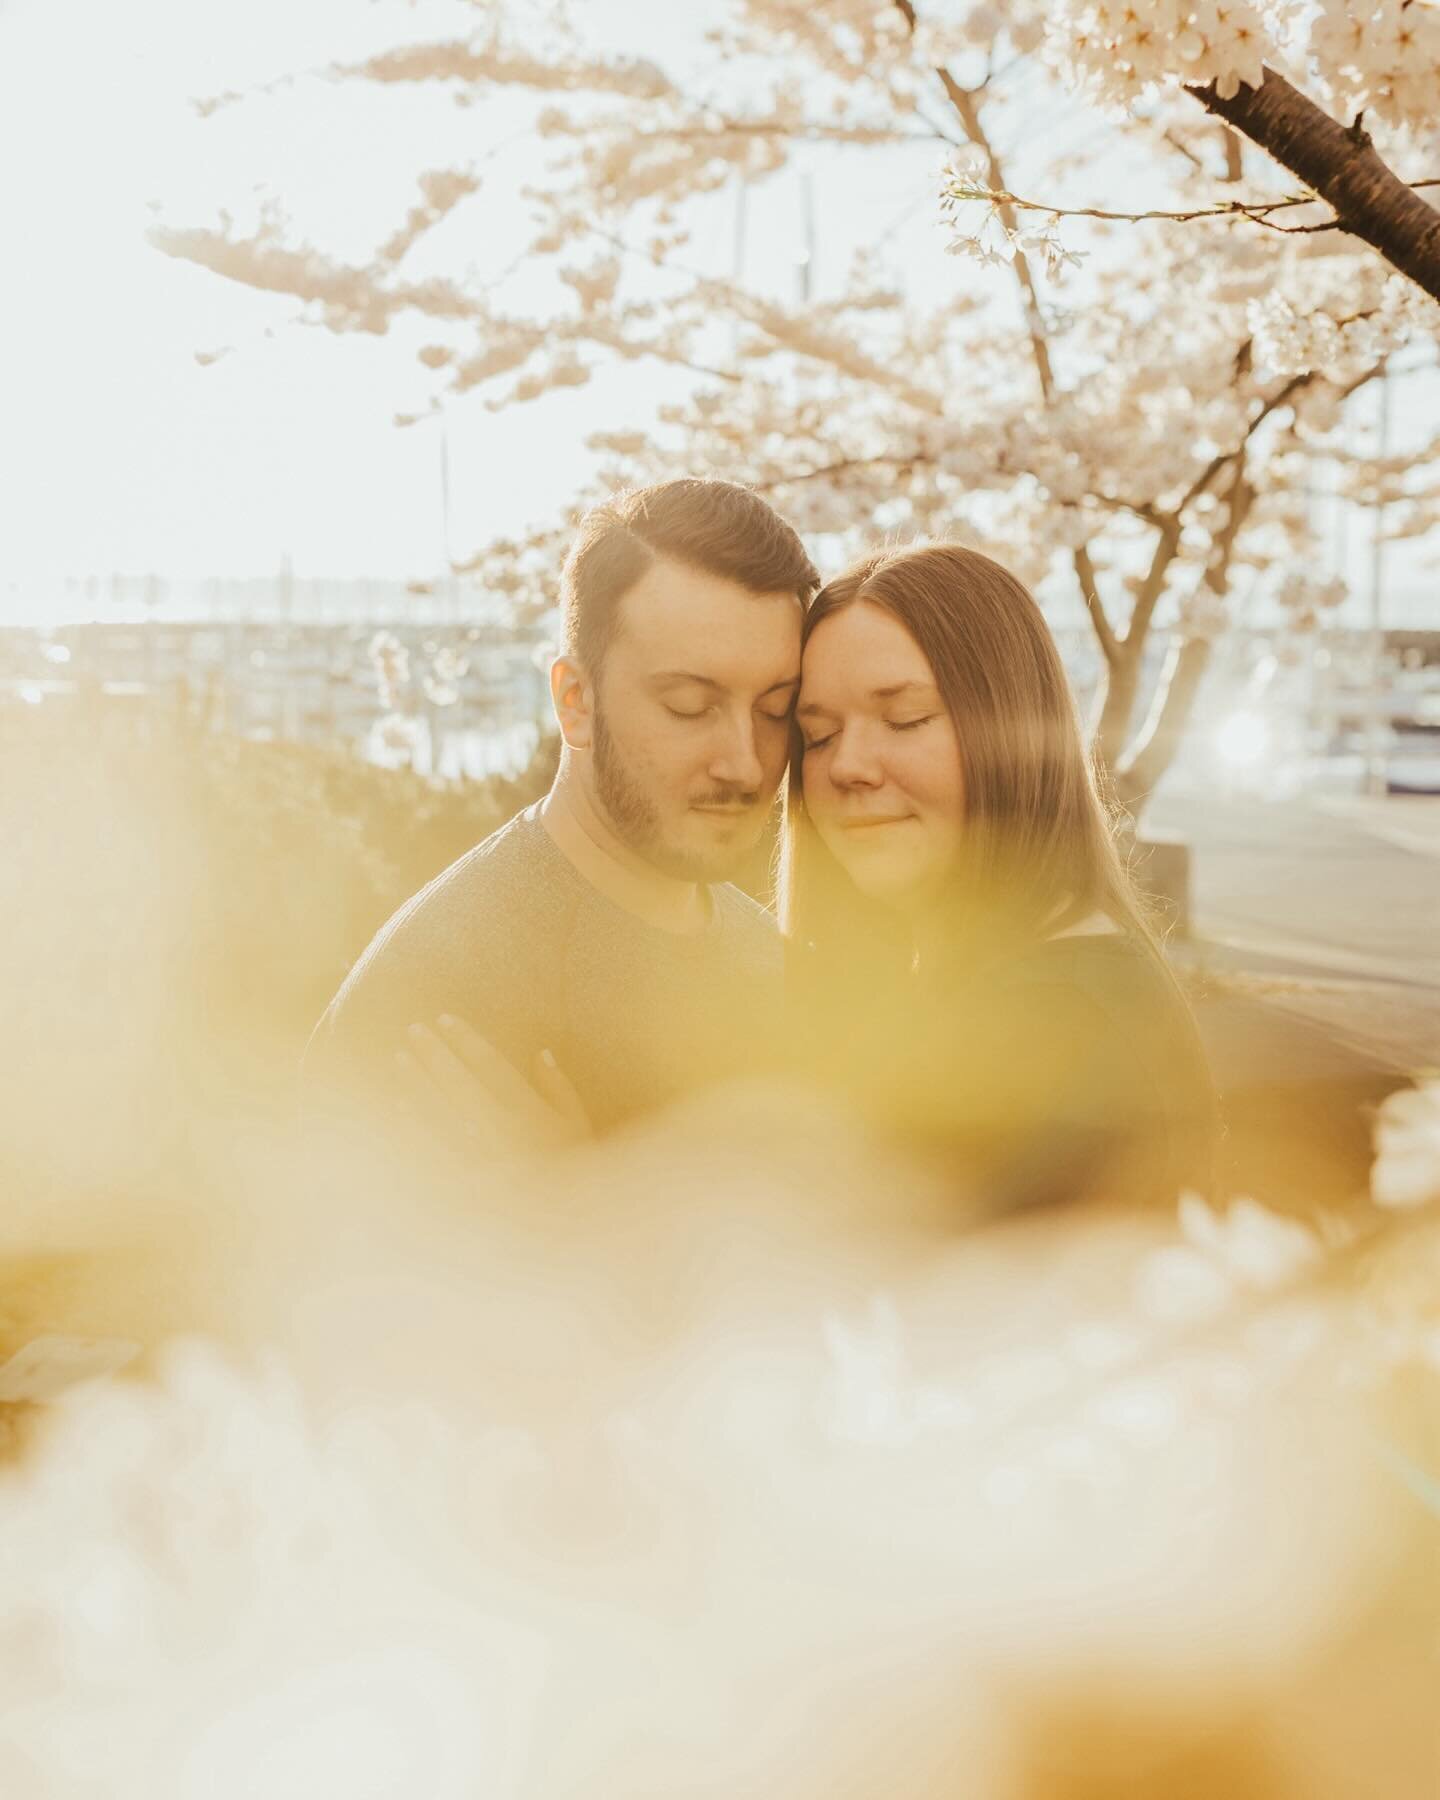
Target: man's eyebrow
[708,681]
[685,675]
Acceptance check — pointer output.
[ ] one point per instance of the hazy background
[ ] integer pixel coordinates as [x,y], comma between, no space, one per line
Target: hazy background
[157,419]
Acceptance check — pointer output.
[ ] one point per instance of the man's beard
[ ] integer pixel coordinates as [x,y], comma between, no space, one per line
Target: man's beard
[636,819]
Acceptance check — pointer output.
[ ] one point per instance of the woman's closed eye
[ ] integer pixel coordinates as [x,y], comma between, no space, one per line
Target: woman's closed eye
[817,743]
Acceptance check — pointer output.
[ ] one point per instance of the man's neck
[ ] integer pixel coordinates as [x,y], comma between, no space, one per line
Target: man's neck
[582,834]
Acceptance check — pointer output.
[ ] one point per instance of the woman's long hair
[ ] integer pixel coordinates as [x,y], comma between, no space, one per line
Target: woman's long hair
[1037,855]
[1039,851]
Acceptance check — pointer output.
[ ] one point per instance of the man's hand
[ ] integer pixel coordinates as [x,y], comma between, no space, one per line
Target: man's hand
[460,1084]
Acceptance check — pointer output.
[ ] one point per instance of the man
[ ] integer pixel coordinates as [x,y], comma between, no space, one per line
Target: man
[595,930]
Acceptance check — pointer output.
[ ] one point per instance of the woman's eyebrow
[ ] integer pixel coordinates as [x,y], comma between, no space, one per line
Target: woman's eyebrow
[879,693]
[903,687]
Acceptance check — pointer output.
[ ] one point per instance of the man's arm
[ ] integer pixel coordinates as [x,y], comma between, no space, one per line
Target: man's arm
[462,1084]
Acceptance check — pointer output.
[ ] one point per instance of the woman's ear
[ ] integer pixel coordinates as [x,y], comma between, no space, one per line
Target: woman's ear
[573,697]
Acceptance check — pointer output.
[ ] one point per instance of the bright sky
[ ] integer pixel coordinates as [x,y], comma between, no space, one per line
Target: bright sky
[119,451]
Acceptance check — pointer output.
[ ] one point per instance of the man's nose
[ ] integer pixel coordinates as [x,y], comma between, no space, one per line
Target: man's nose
[854,761]
[736,756]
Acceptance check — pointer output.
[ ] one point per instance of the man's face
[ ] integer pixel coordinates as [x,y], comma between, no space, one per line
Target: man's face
[692,718]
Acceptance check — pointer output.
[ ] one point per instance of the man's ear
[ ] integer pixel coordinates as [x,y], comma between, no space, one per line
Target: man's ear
[573,697]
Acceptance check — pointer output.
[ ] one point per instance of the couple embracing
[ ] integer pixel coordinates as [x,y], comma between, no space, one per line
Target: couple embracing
[958,949]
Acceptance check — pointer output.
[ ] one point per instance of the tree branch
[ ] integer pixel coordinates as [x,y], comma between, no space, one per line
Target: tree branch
[1139,772]
[1224,457]
[1234,154]
[1153,585]
[1239,498]
[1160,736]
[1184,149]
[1090,589]
[968,112]
[1255,210]
[841,467]
[1369,199]
[769,128]
[965,105]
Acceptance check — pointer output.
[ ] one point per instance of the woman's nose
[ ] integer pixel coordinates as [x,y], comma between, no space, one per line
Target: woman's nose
[853,761]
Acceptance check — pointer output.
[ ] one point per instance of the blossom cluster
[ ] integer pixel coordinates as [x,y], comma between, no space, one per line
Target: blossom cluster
[1381,56]
[1117,50]
[1308,603]
[391,662]
[1377,56]
[1342,328]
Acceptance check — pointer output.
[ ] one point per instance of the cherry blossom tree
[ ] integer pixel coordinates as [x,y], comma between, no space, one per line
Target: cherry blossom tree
[1133,424]
[1279,73]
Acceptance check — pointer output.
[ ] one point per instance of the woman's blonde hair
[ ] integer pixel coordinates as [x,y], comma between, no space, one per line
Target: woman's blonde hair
[1039,843]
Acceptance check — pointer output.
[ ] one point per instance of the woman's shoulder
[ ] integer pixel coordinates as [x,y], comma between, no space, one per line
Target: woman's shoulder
[1103,960]
[1113,987]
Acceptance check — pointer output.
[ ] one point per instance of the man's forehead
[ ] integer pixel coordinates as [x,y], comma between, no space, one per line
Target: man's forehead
[669,587]
[705,625]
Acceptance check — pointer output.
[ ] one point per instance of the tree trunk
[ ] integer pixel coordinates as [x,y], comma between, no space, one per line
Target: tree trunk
[1369,198]
[1164,730]
[1111,729]
[1124,657]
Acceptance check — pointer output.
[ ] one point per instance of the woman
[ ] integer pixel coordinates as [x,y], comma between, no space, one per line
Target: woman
[969,956]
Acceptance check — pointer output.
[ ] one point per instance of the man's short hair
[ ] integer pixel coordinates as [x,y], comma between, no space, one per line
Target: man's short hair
[714,526]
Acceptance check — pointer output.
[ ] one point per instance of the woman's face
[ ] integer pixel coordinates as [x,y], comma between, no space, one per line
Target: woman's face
[882,775]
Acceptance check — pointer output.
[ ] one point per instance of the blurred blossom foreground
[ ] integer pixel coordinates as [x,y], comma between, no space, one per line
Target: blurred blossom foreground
[707,1461]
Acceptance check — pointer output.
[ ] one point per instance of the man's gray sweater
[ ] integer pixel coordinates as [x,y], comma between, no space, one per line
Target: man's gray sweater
[513,938]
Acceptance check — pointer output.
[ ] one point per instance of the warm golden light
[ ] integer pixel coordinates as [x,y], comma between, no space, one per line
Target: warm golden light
[719,799]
